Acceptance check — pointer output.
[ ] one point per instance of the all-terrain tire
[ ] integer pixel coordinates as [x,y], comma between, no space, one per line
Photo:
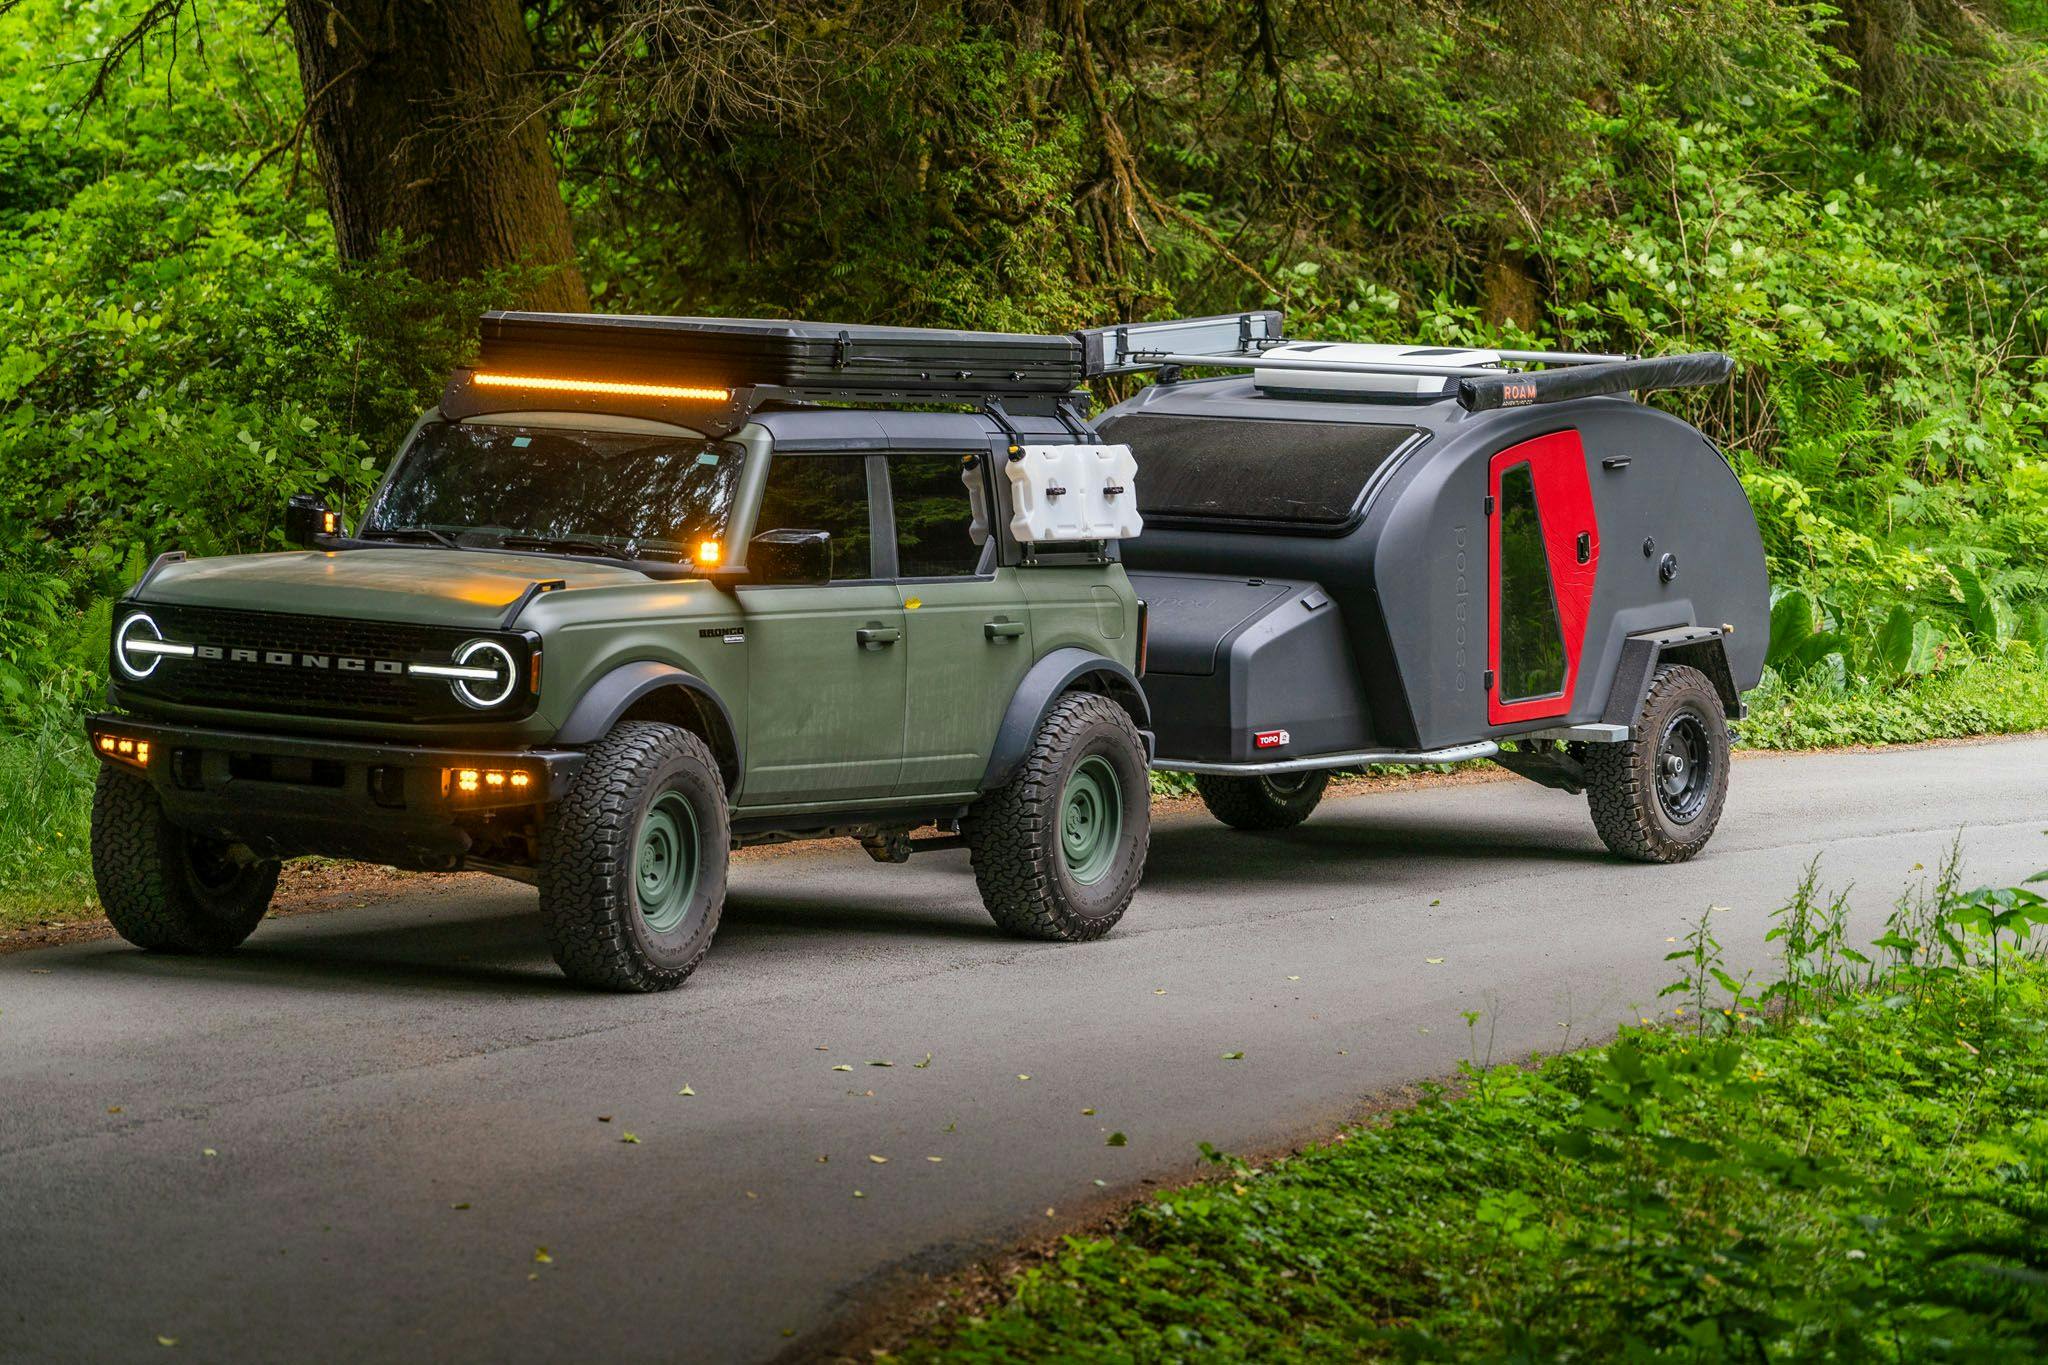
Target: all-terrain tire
[166,889]
[1037,878]
[633,861]
[1279,802]
[1647,807]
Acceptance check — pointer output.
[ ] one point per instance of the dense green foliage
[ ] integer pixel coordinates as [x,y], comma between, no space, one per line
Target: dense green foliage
[1848,202]
[1847,1168]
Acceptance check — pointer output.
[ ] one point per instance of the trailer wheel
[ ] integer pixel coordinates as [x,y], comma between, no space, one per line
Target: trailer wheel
[164,888]
[1278,801]
[1657,796]
[1059,849]
[633,861]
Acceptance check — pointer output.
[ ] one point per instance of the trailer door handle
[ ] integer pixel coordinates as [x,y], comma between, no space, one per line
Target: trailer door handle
[877,637]
[1003,630]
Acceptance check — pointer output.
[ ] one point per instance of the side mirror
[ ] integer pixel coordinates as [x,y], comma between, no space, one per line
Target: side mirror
[307,520]
[790,556]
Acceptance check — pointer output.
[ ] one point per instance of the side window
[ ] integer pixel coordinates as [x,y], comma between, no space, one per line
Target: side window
[932,517]
[822,493]
[1531,641]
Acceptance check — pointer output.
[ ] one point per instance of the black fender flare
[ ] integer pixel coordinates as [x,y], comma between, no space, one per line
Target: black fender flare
[1058,673]
[1702,647]
[605,701]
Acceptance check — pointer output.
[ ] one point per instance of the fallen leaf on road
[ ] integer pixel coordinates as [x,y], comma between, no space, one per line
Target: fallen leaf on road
[39,971]
[633,1138]
[1233,1056]
[604,1118]
[113,1109]
[935,1158]
[209,1152]
[881,1063]
[459,1207]
[1088,1113]
[541,1257]
[822,1048]
[1103,1183]
[1023,1075]
[860,1194]
[1160,991]
[752,1195]
[842,1067]
[1294,978]
[686,1090]
[1117,1140]
[1048,1210]
[1433,961]
[823,1159]
[1438,901]
[878,1160]
[925,1063]
[167,1341]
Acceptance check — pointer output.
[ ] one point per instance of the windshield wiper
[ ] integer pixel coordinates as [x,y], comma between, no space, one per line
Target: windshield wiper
[441,538]
[571,545]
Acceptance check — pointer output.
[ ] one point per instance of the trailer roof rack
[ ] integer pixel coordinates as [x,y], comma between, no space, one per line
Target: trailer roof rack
[1254,341]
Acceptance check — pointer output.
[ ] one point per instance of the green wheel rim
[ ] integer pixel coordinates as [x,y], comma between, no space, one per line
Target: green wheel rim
[1091,820]
[665,862]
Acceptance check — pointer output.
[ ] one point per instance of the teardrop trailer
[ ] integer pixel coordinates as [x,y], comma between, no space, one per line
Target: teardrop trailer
[641,590]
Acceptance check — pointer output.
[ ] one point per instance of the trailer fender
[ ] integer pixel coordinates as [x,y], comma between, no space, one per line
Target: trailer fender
[1058,673]
[650,690]
[1702,647]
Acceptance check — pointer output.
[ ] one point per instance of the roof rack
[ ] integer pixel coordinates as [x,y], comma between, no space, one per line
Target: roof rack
[1253,341]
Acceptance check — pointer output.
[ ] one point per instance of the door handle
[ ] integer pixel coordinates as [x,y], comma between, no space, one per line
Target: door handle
[876,637]
[1003,630]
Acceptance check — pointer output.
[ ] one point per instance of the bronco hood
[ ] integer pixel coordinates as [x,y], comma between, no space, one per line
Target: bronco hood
[469,588]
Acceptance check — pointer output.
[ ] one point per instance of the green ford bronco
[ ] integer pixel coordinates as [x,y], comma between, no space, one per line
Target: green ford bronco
[640,591]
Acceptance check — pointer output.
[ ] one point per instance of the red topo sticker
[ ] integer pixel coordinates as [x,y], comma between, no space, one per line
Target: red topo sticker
[1270,739]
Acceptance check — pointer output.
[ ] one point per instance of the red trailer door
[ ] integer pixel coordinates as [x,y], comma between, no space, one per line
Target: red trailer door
[1545,545]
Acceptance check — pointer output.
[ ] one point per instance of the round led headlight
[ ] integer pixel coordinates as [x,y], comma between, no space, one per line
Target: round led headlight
[139,646]
[484,693]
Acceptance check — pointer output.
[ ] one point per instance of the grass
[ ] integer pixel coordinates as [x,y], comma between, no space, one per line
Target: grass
[46,777]
[1997,696]
[1852,1166]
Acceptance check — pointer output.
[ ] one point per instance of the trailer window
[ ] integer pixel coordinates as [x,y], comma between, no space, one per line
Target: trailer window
[1233,469]
[1531,641]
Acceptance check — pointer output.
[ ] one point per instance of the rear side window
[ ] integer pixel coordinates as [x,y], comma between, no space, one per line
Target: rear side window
[822,493]
[933,517]
[1224,469]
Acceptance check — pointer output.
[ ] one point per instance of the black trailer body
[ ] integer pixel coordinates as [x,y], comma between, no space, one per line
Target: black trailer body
[1339,579]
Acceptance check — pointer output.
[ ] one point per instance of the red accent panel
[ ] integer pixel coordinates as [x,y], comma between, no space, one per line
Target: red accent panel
[1564,505]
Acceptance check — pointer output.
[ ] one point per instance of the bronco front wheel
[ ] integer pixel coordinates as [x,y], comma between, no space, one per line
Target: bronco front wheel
[633,861]
[164,888]
[1059,849]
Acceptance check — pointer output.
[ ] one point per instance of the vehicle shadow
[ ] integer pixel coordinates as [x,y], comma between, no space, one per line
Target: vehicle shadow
[1204,854]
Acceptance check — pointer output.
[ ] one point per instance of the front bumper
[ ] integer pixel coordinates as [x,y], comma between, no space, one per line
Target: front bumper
[285,795]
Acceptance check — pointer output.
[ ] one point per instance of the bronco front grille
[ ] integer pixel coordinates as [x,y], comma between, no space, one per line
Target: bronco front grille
[314,665]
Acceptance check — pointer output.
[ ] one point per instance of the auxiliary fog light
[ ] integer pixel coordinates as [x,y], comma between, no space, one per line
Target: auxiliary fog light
[469,784]
[123,749]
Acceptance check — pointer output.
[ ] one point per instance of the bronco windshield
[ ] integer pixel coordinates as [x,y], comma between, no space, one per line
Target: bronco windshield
[613,494]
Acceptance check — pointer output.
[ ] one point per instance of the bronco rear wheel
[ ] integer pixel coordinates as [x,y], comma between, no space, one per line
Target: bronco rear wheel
[1059,849]
[164,888]
[1657,796]
[1276,801]
[633,861]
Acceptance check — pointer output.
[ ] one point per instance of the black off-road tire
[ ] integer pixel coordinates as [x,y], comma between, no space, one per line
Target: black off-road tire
[1279,802]
[1637,814]
[1014,832]
[163,888]
[590,874]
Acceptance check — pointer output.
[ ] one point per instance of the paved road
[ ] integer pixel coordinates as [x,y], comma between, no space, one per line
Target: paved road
[348,1140]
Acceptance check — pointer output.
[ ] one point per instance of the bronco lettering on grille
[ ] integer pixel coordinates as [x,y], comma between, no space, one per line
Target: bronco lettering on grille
[285,658]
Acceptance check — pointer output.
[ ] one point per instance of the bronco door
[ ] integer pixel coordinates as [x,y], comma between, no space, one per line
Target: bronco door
[1544,554]
[825,690]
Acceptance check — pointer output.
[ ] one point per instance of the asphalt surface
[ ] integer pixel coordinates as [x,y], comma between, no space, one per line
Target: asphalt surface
[351,1139]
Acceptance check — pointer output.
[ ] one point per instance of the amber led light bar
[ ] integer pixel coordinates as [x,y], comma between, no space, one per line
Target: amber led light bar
[608,387]
[123,749]
[470,784]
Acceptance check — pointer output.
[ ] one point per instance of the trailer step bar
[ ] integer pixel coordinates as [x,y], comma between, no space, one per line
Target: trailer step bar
[1457,753]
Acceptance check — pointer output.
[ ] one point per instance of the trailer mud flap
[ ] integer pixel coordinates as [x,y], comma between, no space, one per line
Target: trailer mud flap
[1544,547]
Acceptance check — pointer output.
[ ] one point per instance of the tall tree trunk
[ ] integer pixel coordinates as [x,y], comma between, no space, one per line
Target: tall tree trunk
[423,120]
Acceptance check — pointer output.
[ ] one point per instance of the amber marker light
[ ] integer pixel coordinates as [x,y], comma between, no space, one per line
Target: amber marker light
[709,552]
[123,749]
[609,387]
[486,785]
